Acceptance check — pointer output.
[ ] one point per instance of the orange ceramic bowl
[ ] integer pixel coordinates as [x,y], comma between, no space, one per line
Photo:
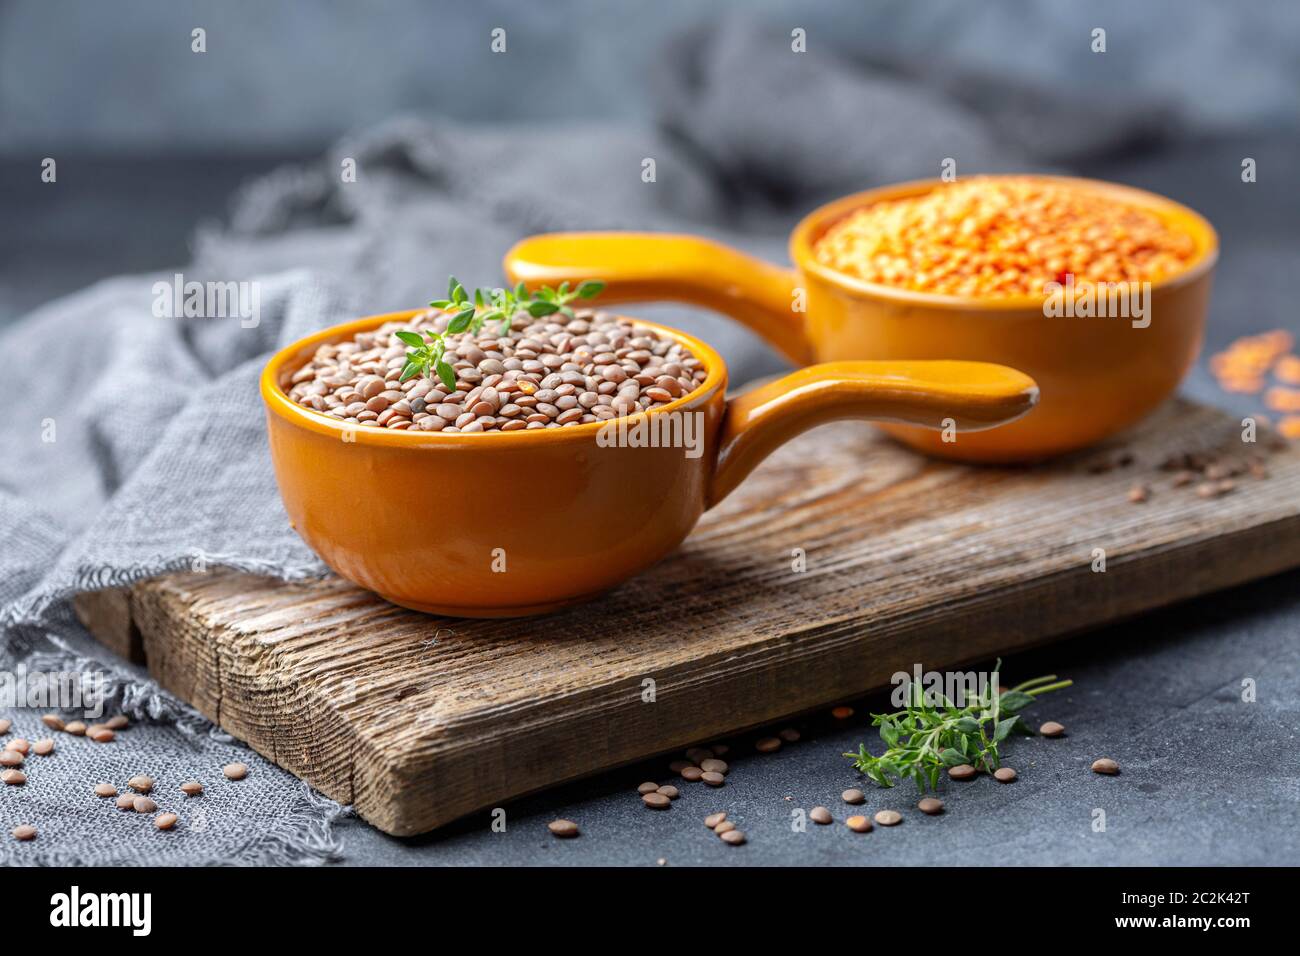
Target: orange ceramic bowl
[1097,375]
[514,523]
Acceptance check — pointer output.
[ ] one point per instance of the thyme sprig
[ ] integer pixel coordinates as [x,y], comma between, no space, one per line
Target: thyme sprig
[927,737]
[428,349]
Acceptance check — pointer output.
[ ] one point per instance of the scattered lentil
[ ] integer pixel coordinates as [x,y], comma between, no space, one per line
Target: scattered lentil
[105,790]
[103,736]
[117,722]
[165,821]
[144,805]
[854,796]
[75,727]
[820,815]
[858,824]
[140,783]
[720,750]
[930,805]
[5,724]
[11,758]
[1004,775]
[24,832]
[1105,765]
[43,747]
[53,721]
[789,735]
[19,745]
[714,765]
[842,713]
[647,787]
[563,828]
[692,773]
[125,801]
[713,819]
[713,778]
[669,791]
[656,801]
[767,745]
[235,771]
[963,771]
[733,837]
[191,788]
[1052,729]
[889,818]
[15,778]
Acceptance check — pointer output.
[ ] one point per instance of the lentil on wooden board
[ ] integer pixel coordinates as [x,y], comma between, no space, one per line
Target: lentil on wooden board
[541,374]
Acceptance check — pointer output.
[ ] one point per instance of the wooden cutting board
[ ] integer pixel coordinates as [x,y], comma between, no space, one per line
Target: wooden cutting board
[418,720]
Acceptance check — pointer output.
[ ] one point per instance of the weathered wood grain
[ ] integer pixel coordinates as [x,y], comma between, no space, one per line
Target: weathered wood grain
[419,720]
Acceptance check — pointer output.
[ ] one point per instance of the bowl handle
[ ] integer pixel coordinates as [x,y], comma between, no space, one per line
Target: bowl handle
[647,266]
[943,395]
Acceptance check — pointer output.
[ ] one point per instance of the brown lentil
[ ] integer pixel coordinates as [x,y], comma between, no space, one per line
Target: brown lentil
[19,746]
[858,824]
[647,787]
[11,758]
[820,815]
[125,801]
[713,819]
[140,783]
[104,736]
[235,771]
[15,778]
[842,713]
[733,837]
[53,721]
[105,790]
[714,764]
[720,750]
[24,831]
[724,827]
[963,771]
[656,801]
[5,724]
[75,727]
[144,805]
[117,722]
[669,791]
[930,805]
[563,828]
[544,373]
[692,773]
[1004,775]
[989,237]
[713,778]
[43,747]
[768,745]
[1052,729]
[789,735]
[1105,765]
[853,796]
[697,755]
[191,788]
[165,821]
[889,818]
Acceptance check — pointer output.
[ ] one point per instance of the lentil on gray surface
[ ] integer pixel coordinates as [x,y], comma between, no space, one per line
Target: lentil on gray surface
[542,374]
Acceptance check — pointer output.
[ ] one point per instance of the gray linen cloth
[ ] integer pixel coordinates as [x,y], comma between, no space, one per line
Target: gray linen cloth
[139,445]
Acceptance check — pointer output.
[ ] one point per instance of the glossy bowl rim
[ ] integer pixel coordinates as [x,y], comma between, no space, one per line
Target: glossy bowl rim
[821,218]
[279,403]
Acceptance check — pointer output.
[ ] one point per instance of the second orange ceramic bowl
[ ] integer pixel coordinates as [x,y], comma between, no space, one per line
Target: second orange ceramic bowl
[523,522]
[1097,375]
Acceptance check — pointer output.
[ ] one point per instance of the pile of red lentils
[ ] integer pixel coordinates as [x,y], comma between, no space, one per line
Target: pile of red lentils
[542,374]
[991,237]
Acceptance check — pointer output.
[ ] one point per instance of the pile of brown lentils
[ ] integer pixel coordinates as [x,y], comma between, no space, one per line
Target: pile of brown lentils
[542,374]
